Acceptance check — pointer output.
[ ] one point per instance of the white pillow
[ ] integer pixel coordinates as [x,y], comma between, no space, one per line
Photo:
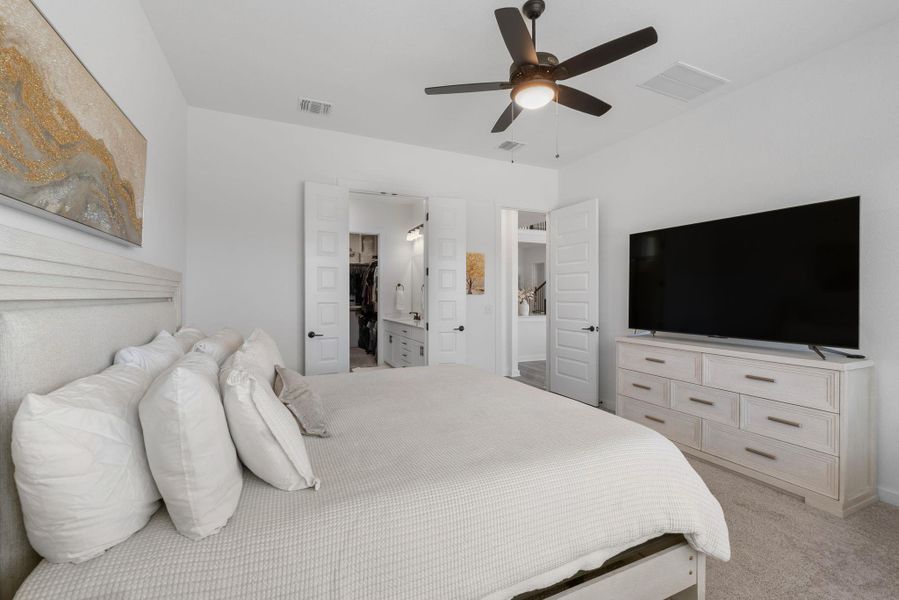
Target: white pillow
[155,357]
[221,345]
[267,437]
[188,336]
[81,469]
[264,353]
[189,449]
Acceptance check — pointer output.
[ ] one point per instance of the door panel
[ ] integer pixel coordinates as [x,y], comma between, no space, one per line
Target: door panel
[445,244]
[327,294]
[574,301]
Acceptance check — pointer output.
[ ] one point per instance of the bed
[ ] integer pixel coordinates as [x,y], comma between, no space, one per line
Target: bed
[437,482]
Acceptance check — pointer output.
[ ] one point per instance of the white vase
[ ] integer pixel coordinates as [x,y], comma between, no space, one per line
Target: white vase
[524,309]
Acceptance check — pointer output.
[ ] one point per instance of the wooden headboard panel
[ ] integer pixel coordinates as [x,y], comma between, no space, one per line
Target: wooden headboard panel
[64,311]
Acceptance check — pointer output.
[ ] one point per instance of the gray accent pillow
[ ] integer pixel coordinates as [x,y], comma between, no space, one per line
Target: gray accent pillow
[305,404]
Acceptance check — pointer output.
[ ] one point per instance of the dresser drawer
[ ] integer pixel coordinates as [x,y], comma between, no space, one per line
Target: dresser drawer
[678,427]
[815,388]
[412,332]
[664,362]
[705,402]
[806,468]
[815,429]
[641,386]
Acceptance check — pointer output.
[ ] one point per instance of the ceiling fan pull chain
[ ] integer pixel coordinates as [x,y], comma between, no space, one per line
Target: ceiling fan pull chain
[512,113]
[557,124]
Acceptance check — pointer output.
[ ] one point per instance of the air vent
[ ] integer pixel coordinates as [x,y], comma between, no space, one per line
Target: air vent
[316,107]
[510,146]
[684,82]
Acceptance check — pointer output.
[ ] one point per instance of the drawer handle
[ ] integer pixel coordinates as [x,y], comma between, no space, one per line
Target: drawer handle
[701,401]
[760,453]
[785,422]
[655,360]
[760,378]
[656,419]
[640,386]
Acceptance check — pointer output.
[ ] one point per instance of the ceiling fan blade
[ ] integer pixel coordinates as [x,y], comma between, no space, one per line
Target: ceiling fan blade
[515,34]
[582,101]
[469,87]
[505,119]
[606,53]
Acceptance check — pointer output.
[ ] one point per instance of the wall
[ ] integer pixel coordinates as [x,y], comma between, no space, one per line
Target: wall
[823,129]
[245,215]
[528,256]
[531,338]
[137,76]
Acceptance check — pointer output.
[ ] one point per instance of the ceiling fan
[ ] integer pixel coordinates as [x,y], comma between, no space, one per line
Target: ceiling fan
[533,75]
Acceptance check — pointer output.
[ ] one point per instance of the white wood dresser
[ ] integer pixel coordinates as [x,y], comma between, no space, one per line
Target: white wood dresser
[406,343]
[786,418]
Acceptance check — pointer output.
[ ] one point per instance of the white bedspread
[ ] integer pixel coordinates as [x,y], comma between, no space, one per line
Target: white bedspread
[437,482]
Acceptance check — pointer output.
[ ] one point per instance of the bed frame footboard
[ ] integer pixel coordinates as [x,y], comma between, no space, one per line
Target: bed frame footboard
[662,568]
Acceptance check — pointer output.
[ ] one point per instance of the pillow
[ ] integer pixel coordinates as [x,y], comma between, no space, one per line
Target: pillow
[187,337]
[221,345]
[264,353]
[265,433]
[80,465]
[154,357]
[305,404]
[189,449]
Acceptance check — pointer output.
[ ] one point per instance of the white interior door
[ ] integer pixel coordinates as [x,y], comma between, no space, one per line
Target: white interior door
[327,282]
[445,244]
[573,305]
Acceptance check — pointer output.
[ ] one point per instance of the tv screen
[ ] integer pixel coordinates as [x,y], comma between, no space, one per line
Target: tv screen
[787,275]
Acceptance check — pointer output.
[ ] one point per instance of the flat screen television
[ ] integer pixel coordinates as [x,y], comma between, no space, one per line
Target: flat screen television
[789,275]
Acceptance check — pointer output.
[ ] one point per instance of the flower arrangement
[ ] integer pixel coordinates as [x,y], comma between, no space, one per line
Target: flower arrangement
[526,295]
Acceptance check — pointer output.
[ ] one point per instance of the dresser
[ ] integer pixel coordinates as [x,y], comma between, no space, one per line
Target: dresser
[788,419]
[405,343]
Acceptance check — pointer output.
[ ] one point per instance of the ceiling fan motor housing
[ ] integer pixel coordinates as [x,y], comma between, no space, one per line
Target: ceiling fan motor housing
[546,63]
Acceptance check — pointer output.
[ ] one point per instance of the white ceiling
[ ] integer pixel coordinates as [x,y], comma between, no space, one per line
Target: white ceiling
[373,59]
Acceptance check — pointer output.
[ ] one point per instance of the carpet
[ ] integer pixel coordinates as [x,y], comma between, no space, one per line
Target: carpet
[785,550]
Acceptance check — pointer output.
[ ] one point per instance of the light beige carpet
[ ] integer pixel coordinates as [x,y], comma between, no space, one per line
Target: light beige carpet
[785,550]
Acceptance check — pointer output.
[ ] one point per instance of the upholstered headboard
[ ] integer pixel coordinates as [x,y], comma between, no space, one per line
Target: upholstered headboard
[64,311]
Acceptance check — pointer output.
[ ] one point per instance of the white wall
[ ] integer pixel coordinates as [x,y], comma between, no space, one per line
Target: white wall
[531,338]
[245,215]
[114,40]
[824,129]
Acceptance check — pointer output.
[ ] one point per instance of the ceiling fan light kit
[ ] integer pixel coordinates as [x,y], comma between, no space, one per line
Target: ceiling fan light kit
[533,75]
[534,94]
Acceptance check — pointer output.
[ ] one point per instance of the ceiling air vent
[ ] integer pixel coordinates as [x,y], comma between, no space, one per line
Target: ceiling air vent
[316,107]
[510,146]
[684,82]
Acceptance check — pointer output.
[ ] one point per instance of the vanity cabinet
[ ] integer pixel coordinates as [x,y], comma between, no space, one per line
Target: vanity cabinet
[405,344]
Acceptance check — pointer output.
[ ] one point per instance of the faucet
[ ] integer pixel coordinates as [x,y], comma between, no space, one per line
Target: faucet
[416,316]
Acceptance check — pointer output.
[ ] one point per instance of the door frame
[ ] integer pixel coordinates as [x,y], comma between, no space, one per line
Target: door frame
[506,334]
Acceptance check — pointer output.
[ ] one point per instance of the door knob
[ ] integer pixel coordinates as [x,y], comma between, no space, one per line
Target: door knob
[459,328]
[312,334]
[591,328]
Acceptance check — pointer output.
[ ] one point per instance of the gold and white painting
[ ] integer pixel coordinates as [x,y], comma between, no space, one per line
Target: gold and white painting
[66,148]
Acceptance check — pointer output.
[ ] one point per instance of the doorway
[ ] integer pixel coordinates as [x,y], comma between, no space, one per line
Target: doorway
[363,286]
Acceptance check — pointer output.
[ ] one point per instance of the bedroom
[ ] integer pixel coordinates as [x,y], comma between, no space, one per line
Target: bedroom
[214,90]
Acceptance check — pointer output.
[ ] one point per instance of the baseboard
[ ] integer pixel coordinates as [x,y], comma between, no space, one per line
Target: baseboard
[534,358]
[888,496]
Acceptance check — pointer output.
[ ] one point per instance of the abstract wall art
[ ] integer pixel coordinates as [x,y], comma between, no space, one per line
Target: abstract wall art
[67,151]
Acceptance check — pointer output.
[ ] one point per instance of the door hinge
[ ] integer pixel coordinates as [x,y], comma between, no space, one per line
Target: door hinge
[427,216]
[427,271]
[427,326]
